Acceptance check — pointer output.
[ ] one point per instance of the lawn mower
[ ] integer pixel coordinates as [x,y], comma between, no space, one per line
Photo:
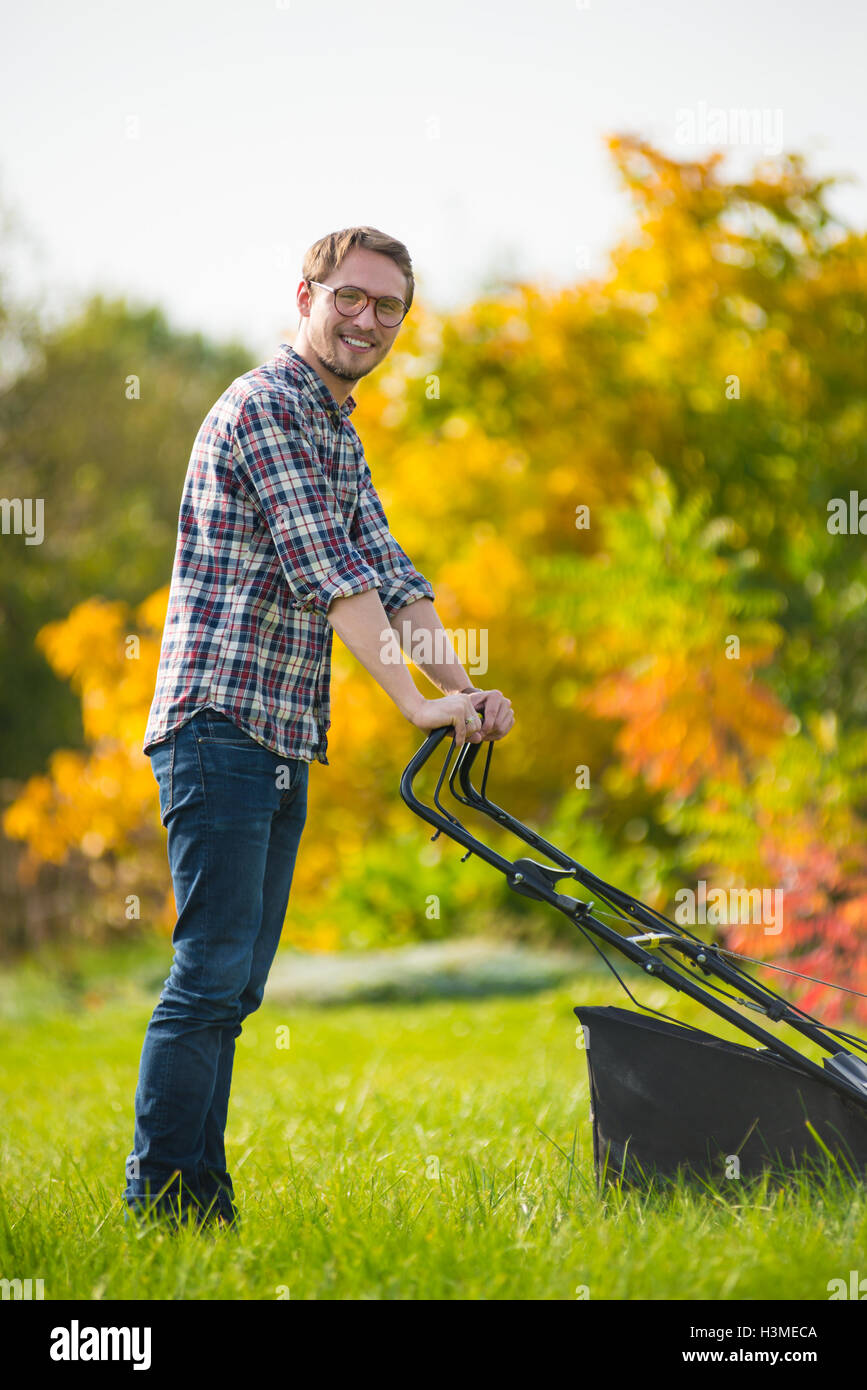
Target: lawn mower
[667,1098]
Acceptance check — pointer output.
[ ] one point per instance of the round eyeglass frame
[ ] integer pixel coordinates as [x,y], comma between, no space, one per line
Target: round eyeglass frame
[368,299]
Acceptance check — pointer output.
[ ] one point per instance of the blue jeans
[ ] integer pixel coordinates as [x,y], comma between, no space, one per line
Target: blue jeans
[234,812]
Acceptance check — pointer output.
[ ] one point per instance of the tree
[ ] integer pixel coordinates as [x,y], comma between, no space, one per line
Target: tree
[99,427]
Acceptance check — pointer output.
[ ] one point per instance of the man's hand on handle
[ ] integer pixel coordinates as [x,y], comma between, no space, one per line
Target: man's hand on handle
[497,712]
[482,715]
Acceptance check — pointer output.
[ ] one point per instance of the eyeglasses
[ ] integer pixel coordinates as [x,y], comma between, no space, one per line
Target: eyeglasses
[349,301]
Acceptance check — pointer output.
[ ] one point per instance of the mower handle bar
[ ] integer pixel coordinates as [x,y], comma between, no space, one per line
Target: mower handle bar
[532,879]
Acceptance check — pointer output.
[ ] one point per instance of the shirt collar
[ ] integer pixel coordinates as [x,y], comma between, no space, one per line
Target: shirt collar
[312,385]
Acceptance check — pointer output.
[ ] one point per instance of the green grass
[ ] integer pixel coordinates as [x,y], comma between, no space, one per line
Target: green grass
[430,1151]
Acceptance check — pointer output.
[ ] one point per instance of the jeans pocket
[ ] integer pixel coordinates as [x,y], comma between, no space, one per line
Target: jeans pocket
[163,767]
[214,727]
[291,772]
[286,777]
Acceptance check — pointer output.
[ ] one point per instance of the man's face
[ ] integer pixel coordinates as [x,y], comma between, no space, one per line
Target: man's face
[327,329]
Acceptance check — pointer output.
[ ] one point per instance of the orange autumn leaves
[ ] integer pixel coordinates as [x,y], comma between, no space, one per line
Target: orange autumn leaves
[675,648]
[668,645]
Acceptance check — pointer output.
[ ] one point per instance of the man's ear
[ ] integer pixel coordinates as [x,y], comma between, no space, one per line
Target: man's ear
[303,299]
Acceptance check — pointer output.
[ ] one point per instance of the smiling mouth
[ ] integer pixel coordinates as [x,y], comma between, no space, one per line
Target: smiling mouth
[355,344]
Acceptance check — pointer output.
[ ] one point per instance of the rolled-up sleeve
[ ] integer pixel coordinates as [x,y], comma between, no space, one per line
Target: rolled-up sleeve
[401,582]
[276,464]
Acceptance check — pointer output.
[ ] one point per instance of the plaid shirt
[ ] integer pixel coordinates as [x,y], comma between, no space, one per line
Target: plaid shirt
[278,517]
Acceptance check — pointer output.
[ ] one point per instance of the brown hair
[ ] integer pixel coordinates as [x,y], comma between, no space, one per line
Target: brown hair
[329,252]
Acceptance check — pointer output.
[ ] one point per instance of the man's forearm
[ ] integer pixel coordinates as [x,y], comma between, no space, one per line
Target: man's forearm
[362,625]
[444,669]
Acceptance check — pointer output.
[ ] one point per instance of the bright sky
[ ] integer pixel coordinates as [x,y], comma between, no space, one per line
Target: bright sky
[187,153]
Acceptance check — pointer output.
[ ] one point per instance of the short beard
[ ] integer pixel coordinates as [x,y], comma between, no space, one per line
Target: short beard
[330,361]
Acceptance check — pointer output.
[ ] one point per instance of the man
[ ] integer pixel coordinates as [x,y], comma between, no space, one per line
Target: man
[281,541]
